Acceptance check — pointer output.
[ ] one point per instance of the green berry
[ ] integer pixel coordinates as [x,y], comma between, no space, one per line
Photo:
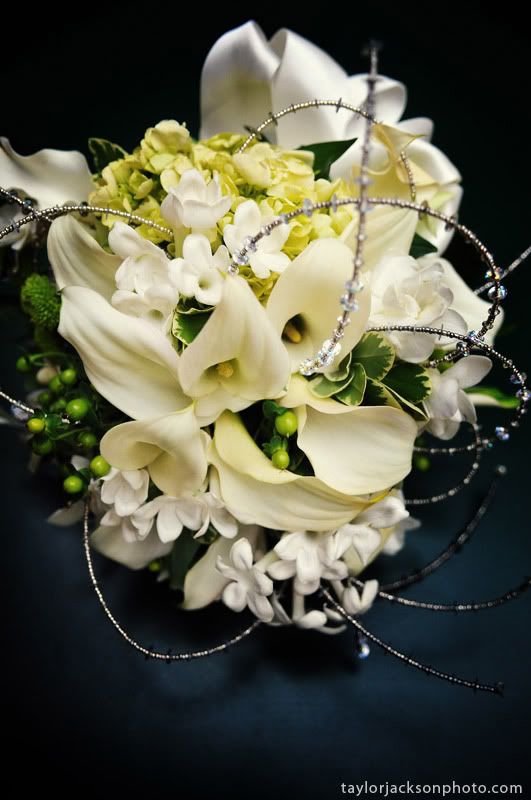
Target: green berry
[154,566]
[88,440]
[73,484]
[280,459]
[35,425]
[56,385]
[45,398]
[286,424]
[99,467]
[23,364]
[78,408]
[68,376]
[42,446]
[422,463]
[58,405]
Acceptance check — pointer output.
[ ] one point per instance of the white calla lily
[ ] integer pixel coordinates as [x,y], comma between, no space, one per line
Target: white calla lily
[51,177]
[110,542]
[78,260]
[255,491]
[245,77]
[129,361]
[372,446]
[237,358]
[171,447]
[307,294]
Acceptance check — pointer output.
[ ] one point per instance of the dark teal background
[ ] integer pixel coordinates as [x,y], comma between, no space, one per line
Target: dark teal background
[286,714]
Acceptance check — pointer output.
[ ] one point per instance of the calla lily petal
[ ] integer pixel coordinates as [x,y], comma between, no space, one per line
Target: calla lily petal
[308,290]
[52,177]
[372,446]
[246,481]
[109,541]
[237,353]
[78,260]
[171,447]
[129,361]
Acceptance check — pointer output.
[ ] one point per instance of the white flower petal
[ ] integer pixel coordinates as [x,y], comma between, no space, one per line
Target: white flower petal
[241,554]
[385,514]
[235,596]
[128,360]
[469,371]
[78,260]
[52,177]
[261,607]
[235,82]
[110,542]
[204,583]
[309,289]
[171,447]
[312,619]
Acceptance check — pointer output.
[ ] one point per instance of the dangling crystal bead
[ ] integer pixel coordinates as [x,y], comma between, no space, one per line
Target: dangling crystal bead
[363,649]
[502,433]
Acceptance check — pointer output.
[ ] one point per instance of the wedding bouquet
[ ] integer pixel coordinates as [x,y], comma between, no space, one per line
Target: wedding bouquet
[235,344]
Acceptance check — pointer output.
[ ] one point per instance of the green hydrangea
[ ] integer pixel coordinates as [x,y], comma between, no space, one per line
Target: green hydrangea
[41,301]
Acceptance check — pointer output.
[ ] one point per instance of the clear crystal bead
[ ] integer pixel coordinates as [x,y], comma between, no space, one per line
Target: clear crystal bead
[19,414]
[241,258]
[516,380]
[363,649]
[502,433]
[355,285]
[349,303]
[307,367]
[462,348]
[284,218]
[523,394]
[333,203]
[499,292]
[250,244]
[307,207]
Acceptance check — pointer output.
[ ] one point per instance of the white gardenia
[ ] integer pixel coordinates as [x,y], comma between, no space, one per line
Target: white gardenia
[198,273]
[196,513]
[145,280]
[195,204]
[125,490]
[409,292]
[355,603]
[448,405]
[249,585]
[267,257]
[307,557]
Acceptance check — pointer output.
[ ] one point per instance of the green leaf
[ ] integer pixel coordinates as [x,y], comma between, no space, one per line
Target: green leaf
[352,395]
[409,381]
[377,395]
[187,325]
[270,409]
[375,353]
[181,558]
[498,397]
[103,152]
[325,154]
[421,247]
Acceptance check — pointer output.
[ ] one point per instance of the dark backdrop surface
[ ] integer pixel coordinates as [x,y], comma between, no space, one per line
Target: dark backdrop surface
[285,714]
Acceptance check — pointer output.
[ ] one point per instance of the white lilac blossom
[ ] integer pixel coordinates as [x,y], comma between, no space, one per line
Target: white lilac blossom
[249,585]
[448,405]
[125,490]
[409,292]
[196,513]
[355,603]
[198,273]
[267,257]
[307,557]
[395,542]
[145,279]
[364,533]
[195,204]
